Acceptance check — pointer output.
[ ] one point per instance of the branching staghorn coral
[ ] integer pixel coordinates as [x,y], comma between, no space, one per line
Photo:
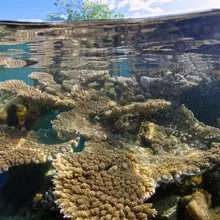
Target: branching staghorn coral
[17,148]
[34,95]
[101,185]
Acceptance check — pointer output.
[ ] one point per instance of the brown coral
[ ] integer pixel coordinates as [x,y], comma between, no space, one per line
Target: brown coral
[176,130]
[41,77]
[46,83]
[158,138]
[8,62]
[169,168]
[34,95]
[70,124]
[101,185]
[12,152]
[17,148]
[197,206]
[79,77]
[146,108]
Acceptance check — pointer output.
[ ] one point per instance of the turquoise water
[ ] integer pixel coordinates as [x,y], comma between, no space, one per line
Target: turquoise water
[16,51]
[17,73]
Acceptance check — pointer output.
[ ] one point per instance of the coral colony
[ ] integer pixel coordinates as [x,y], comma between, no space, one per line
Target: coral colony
[128,152]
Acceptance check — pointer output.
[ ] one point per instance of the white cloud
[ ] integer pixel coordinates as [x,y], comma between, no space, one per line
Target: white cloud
[136,5]
[209,4]
[177,12]
[148,8]
[152,6]
[156,10]
[30,20]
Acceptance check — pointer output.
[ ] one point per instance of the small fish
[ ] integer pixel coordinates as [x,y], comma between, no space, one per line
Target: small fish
[45,135]
[3,179]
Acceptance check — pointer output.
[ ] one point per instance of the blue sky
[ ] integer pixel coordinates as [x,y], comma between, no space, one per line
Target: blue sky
[36,10]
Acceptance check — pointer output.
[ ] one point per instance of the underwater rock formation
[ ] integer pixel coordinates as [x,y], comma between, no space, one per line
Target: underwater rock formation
[160,139]
[196,206]
[204,101]
[168,169]
[211,182]
[176,130]
[171,84]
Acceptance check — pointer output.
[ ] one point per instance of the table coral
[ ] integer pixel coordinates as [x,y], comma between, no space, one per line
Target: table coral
[45,82]
[42,77]
[101,185]
[146,108]
[70,124]
[8,62]
[129,150]
[34,95]
[17,148]
[80,77]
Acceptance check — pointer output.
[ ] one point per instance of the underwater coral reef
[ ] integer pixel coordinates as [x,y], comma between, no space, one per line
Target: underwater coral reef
[129,150]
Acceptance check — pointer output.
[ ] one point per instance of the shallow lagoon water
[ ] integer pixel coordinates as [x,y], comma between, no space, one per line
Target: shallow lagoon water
[147,89]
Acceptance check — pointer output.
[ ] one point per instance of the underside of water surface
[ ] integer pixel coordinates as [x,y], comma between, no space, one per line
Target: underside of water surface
[111,119]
